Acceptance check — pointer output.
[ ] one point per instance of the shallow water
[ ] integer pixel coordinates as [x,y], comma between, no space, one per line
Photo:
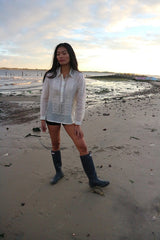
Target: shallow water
[29,83]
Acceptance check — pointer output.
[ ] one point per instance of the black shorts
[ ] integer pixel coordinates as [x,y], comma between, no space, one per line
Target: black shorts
[53,123]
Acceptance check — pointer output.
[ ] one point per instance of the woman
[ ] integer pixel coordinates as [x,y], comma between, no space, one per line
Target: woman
[63,103]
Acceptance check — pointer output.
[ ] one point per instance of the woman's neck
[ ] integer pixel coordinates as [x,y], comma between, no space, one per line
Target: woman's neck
[65,69]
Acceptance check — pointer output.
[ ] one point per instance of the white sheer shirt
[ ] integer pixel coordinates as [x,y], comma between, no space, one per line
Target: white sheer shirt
[63,99]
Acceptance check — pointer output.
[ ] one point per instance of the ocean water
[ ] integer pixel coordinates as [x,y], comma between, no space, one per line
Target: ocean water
[29,83]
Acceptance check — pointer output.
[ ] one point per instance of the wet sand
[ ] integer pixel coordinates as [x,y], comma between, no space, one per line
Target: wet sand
[124,137]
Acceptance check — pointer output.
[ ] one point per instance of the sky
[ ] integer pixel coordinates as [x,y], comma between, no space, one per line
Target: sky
[106,35]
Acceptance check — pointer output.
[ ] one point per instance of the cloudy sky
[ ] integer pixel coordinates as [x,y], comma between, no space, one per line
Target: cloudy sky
[107,35]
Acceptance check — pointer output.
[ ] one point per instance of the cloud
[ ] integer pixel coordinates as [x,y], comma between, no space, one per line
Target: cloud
[30,30]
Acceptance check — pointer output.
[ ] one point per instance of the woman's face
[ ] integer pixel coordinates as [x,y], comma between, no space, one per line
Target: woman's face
[63,56]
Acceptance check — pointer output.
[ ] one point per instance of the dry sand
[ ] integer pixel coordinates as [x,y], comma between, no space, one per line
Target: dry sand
[124,137]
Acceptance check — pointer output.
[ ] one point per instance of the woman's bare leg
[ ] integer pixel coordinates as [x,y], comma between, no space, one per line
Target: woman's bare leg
[54,131]
[79,142]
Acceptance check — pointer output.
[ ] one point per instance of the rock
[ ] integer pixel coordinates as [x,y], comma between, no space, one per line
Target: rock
[131,181]
[36,129]
[134,138]
[8,164]
[106,114]
[101,166]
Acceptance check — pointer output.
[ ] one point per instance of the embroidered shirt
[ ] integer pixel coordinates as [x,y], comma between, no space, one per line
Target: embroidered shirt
[63,99]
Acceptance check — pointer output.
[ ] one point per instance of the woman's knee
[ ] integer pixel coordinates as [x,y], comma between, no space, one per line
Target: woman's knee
[55,145]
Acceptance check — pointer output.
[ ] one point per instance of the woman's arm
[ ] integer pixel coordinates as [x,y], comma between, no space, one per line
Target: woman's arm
[80,101]
[44,99]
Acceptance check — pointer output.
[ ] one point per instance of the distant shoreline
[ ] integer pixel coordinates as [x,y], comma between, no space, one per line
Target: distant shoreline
[36,69]
[125,76]
[115,75]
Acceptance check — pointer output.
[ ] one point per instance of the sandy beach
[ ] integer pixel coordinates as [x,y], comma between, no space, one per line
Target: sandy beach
[123,135]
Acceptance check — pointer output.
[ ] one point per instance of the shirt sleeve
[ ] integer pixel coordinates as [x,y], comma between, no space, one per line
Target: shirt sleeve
[44,99]
[80,101]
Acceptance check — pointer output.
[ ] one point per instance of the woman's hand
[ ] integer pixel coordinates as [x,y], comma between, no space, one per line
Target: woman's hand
[43,125]
[78,131]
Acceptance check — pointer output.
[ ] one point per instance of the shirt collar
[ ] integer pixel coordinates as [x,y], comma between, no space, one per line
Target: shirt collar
[71,72]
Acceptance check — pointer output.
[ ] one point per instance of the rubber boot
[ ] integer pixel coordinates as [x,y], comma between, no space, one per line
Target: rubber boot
[56,156]
[88,165]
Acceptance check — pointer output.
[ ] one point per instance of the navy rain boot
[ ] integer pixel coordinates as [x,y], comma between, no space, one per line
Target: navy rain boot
[88,165]
[56,156]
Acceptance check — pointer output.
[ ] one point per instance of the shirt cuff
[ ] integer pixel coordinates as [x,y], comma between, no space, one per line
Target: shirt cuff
[77,123]
[42,118]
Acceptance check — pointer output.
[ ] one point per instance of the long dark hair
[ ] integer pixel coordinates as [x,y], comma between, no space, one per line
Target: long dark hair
[56,65]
